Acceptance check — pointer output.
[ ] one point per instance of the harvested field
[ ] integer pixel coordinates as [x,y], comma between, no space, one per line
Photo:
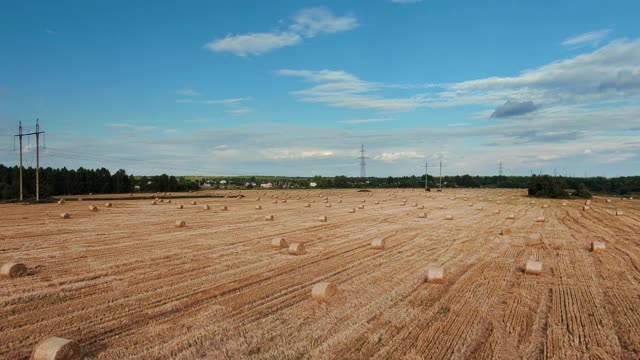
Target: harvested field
[219,289]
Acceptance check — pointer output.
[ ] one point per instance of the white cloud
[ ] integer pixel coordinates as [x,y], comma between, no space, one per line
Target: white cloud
[392,156]
[592,38]
[312,21]
[253,43]
[608,74]
[307,22]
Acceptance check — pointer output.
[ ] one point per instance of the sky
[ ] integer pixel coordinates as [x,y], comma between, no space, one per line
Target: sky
[294,88]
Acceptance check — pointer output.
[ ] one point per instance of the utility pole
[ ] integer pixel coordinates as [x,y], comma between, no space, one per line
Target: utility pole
[440,175]
[426,175]
[363,164]
[37,134]
[20,136]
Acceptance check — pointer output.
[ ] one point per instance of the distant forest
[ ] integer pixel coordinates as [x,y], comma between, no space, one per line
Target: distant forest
[63,181]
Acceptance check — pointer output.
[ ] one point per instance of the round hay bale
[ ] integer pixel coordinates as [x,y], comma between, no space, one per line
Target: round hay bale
[284,201]
[505,231]
[540,219]
[130,194]
[421,207]
[93,208]
[161,200]
[180,223]
[327,205]
[533,267]
[449,217]
[180,206]
[61,202]
[307,205]
[608,200]
[377,244]
[597,246]
[108,205]
[479,208]
[322,218]
[279,243]
[587,202]
[423,215]
[498,202]
[340,201]
[322,291]
[361,206]
[169,201]
[65,216]
[258,207]
[275,201]
[56,348]
[352,210]
[564,203]
[80,199]
[511,217]
[269,218]
[545,206]
[193,203]
[585,208]
[206,207]
[441,206]
[13,270]
[224,208]
[497,211]
[154,203]
[377,202]
[257,199]
[296,249]
[435,274]
[619,212]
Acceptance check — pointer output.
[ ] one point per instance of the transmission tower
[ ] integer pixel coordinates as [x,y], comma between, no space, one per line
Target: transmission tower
[363,163]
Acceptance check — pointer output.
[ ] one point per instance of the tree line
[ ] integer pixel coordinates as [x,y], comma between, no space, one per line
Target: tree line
[63,181]
[55,182]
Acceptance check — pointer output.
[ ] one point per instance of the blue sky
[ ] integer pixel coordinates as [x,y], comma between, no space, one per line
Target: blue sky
[294,87]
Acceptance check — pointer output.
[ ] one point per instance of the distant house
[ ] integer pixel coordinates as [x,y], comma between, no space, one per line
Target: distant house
[313,184]
[252,184]
[266,185]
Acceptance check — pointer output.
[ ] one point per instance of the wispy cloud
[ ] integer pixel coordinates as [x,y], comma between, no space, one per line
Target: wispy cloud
[341,89]
[592,38]
[305,23]
[50,31]
[212,102]
[187,92]
[364,121]
[312,21]
[239,111]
